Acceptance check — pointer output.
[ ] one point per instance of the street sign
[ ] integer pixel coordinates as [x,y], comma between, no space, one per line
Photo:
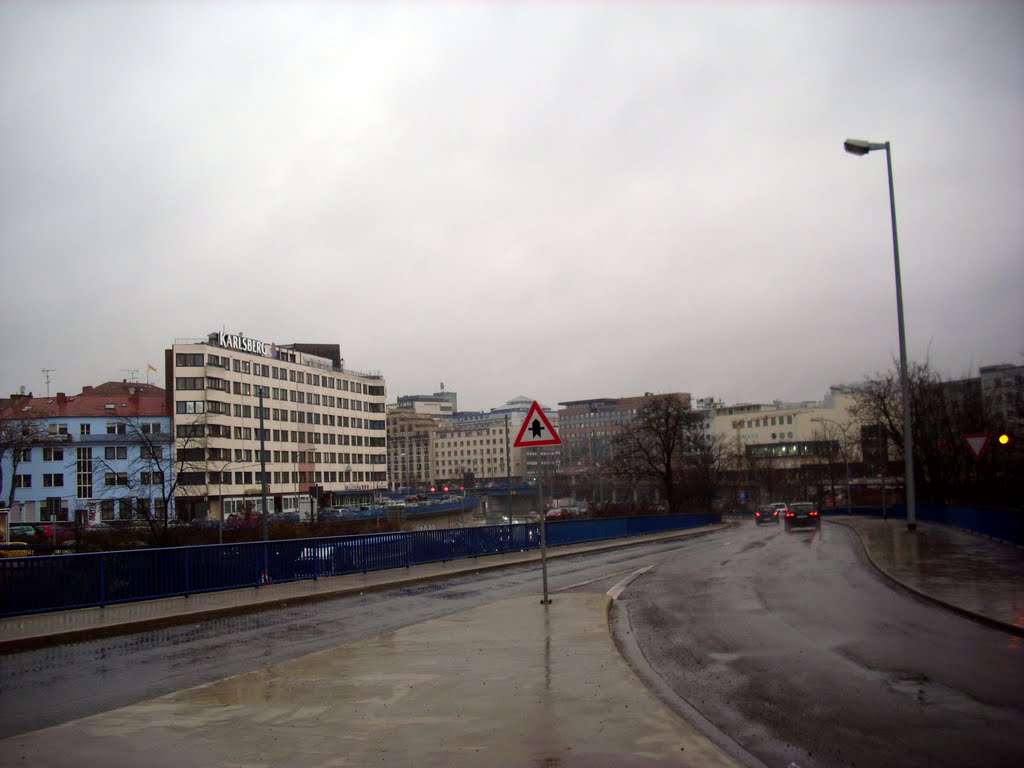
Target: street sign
[536,430]
[977,444]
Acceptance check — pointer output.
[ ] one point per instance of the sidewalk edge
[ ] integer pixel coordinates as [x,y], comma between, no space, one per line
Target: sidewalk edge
[978,617]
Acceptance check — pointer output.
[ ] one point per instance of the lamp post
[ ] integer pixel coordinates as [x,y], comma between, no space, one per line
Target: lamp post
[860,147]
[846,457]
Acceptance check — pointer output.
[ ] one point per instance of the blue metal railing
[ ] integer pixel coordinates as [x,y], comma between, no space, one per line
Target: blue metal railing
[1003,524]
[62,582]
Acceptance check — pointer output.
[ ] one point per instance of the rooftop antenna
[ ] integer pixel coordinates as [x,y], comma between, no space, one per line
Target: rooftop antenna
[46,373]
[134,374]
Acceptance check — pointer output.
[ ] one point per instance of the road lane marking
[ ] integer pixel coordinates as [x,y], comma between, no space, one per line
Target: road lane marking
[615,591]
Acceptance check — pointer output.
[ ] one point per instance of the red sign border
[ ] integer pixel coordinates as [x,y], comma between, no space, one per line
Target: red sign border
[984,446]
[553,440]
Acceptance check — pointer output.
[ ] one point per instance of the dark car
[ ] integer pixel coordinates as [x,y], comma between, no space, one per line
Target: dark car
[804,514]
[766,514]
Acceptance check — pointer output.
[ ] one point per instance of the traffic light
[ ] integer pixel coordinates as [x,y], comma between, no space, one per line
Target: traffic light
[1004,439]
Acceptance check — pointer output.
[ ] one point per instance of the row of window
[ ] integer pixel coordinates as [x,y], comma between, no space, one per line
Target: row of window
[196,360]
[192,479]
[56,480]
[763,422]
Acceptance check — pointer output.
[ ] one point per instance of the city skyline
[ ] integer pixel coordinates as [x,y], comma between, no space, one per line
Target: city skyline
[562,201]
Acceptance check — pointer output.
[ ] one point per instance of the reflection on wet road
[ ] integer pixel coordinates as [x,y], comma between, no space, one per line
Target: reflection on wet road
[795,647]
[94,676]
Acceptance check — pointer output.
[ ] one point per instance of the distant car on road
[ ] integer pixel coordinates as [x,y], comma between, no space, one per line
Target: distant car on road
[781,507]
[802,513]
[766,514]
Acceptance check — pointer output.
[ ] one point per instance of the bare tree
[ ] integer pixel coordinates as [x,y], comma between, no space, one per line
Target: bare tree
[18,436]
[706,460]
[941,413]
[163,470]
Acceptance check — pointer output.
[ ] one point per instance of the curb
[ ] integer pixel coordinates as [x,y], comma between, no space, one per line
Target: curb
[980,618]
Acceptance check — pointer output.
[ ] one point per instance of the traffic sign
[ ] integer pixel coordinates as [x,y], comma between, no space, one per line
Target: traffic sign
[977,443]
[536,430]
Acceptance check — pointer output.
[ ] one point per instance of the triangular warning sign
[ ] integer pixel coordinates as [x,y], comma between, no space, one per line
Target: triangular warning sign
[536,430]
[977,444]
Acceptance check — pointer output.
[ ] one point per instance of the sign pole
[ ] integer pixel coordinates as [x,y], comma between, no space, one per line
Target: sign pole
[537,431]
[543,539]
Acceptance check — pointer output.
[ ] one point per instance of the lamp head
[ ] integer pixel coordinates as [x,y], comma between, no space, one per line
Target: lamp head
[857,146]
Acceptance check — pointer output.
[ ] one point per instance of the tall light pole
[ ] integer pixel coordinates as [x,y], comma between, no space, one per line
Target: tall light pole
[860,147]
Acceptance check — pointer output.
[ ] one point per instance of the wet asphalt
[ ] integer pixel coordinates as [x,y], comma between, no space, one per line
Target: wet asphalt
[510,683]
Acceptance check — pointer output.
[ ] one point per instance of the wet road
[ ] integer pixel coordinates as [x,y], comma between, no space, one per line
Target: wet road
[796,649]
[54,685]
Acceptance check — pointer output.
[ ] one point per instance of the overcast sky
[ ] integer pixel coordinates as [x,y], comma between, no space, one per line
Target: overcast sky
[560,200]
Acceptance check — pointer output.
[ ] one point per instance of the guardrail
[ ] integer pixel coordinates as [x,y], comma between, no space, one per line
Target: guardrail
[62,582]
[1003,524]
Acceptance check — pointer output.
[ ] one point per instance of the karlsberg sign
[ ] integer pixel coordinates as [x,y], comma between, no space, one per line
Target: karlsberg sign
[242,344]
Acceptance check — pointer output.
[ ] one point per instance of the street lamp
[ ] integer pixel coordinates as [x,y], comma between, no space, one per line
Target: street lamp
[846,458]
[860,147]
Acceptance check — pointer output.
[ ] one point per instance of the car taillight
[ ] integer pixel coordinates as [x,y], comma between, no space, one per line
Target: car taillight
[789,514]
[814,513]
[775,513]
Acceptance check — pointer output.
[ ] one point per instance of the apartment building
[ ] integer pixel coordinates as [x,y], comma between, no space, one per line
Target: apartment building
[241,404]
[105,452]
[477,446]
[411,460]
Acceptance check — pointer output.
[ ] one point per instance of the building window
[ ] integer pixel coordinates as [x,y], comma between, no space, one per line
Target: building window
[184,360]
[116,428]
[53,454]
[111,479]
[190,406]
[113,453]
[84,429]
[23,481]
[151,452]
[53,480]
[83,468]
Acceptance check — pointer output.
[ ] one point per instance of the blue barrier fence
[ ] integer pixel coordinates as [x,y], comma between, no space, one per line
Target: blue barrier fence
[61,582]
[1004,524]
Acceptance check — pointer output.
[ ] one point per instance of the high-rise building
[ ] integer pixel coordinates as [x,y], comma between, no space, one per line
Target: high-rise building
[321,426]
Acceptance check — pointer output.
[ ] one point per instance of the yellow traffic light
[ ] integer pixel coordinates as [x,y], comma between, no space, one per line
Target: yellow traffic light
[1004,439]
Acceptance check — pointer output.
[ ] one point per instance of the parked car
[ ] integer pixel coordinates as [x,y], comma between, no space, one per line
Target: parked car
[766,514]
[802,513]
[21,531]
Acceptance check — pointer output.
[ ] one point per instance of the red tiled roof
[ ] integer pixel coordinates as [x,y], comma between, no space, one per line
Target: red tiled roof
[127,399]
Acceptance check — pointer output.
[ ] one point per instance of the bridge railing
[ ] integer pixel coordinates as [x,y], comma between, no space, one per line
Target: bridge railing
[62,582]
[1003,524]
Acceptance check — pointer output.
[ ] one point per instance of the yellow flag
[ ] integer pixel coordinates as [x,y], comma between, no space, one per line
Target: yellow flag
[151,367]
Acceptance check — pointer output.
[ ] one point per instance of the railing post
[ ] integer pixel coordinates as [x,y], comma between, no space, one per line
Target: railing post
[185,561]
[103,579]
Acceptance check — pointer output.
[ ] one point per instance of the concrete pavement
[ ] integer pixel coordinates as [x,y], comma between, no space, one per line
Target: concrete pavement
[508,684]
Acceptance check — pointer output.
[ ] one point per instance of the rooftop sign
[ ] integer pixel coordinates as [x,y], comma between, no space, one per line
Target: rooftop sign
[243,344]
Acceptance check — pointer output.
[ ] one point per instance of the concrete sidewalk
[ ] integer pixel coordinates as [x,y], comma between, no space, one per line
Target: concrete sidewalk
[974,575]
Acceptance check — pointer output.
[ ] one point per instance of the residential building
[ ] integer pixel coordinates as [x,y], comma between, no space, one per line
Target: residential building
[590,430]
[411,462]
[477,447]
[104,452]
[440,403]
[1002,388]
[243,407]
